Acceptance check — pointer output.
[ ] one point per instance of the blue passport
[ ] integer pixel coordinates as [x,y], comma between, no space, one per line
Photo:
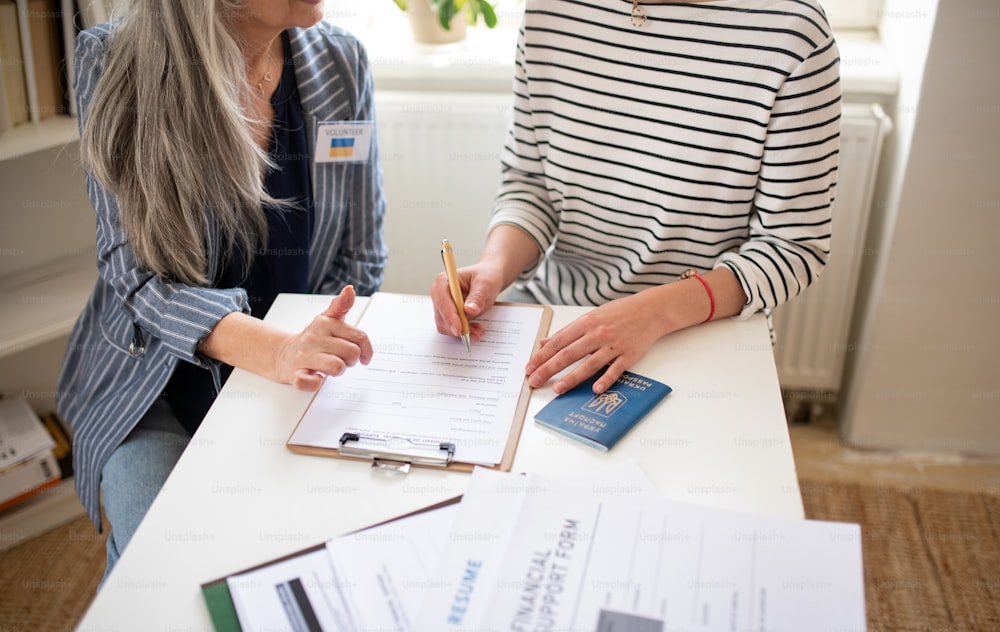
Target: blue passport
[602,420]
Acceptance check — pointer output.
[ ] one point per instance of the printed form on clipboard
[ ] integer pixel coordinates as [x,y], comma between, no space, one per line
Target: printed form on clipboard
[423,399]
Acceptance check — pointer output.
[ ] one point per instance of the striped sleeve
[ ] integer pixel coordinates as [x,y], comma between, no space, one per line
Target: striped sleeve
[522,199]
[791,221]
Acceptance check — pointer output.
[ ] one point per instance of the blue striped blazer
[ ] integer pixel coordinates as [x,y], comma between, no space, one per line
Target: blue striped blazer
[136,326]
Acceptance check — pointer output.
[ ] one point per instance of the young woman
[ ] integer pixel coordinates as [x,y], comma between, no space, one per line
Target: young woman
[669,162]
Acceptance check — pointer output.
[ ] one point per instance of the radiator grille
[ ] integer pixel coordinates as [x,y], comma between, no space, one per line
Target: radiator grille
[813,329]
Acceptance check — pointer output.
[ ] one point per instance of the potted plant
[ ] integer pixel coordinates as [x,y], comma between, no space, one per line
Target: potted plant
[442,21]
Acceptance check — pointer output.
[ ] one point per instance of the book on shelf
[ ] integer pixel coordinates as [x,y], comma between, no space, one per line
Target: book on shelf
[68,35]
[63,448]
[12,67]
[600,421]
[46,54]
[5,120]
[37,40]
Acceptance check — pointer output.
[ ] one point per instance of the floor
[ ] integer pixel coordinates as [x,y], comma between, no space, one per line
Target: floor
[822,456]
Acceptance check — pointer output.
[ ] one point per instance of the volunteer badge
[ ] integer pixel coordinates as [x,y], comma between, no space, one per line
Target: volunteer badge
[344,141]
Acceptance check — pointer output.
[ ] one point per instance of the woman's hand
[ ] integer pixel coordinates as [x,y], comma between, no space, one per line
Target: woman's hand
[618,333]
[508,250]
[327,346]
[614,335]
[481,284]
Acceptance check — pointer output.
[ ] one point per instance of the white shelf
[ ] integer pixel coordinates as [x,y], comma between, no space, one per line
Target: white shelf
[38,514]
[31,137]
[42,304]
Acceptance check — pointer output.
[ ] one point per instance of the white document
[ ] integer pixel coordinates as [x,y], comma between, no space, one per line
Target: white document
[489,525]
[295,594]
[369,580]
[423,388]
[388,568]
[379,578]
[22,434]
[564,561]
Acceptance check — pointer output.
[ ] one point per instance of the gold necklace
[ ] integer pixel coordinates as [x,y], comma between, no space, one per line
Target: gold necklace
[266,77]
[638,15]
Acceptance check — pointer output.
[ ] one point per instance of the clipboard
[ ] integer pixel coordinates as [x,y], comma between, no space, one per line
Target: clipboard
[395,452]
[219,600]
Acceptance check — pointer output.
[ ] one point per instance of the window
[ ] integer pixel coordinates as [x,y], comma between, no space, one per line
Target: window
[853,14]
[362,14]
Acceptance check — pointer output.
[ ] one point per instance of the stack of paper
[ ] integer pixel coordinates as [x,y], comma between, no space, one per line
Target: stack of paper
[563,559]
[601,552]
[27,463]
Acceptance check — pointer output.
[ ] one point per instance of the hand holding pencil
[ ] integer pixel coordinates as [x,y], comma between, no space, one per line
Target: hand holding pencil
[479,284]
[455,287]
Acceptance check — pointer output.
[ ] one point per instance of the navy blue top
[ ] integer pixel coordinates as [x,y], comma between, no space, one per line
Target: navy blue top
[283,265]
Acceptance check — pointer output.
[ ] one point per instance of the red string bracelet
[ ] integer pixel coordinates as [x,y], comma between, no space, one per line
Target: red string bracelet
[687,274]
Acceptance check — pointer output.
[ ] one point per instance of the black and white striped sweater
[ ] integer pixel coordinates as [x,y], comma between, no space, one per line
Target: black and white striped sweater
[709,136]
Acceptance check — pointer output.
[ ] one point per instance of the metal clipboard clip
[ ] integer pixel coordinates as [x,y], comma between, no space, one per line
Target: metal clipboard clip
[396,453]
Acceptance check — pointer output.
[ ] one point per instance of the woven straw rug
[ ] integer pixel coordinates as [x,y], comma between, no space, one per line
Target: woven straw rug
[932,558]
[932,561]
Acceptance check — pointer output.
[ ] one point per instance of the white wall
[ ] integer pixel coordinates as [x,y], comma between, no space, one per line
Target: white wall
[926,371]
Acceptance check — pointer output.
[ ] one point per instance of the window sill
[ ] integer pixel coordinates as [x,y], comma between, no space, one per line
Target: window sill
[484,62]
[867,70]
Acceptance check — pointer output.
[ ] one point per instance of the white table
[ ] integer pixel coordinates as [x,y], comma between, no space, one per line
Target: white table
[238,497]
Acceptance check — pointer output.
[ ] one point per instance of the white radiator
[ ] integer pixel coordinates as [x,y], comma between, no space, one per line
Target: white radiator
[440,156]
[813,329]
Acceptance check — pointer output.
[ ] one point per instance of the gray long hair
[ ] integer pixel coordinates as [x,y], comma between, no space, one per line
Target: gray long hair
[167,134]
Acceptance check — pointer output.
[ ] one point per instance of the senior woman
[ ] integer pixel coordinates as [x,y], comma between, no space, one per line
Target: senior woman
[206,134]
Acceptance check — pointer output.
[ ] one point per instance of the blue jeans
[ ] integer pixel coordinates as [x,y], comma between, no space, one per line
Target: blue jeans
[136,471]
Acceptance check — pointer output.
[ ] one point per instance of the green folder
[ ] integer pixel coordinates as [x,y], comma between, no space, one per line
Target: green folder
[220,606]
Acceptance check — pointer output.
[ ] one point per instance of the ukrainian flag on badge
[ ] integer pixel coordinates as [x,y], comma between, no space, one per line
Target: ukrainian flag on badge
[342,147]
